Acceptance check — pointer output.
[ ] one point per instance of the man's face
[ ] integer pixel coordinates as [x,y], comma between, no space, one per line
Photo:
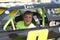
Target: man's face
[27,19]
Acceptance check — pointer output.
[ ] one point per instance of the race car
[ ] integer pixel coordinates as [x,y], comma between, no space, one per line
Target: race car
[47,24]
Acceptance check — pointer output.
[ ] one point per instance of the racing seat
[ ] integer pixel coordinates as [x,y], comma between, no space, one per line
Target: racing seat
[18,18]
[38,34]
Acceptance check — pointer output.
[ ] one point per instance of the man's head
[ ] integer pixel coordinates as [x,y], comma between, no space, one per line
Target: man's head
[27,16]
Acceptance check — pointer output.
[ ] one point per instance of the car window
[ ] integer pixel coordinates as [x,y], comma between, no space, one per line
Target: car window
[15,16]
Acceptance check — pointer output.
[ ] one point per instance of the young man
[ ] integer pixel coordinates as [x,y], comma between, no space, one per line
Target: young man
[27,21]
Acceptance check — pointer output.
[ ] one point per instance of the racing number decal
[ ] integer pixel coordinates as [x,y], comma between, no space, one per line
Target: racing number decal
[41,34]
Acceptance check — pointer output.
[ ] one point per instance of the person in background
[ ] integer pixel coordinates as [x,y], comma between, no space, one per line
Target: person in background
[27,21]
